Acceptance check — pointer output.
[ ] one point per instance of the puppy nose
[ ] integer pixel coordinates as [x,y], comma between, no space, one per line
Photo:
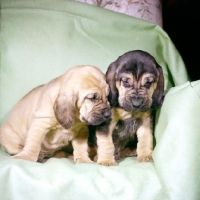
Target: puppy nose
[137,101]
[107,113]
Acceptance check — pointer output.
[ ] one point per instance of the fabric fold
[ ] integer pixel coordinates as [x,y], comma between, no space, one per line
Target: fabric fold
[177,152]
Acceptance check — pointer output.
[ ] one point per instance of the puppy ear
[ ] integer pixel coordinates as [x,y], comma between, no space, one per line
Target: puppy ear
[111,80]
[159,91]
[64,109]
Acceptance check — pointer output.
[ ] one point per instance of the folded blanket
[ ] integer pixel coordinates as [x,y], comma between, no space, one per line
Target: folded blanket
[173,175]
[177,153]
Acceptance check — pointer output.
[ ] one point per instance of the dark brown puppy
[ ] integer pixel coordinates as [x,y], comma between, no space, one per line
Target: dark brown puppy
[136,88]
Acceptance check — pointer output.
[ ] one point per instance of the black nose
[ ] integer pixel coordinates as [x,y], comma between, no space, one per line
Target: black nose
[107,113]
[137,101]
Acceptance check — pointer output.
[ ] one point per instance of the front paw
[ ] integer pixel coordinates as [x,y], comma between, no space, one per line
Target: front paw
[95,158]
[25,157]
[107,162]
[83,160]
[145,158]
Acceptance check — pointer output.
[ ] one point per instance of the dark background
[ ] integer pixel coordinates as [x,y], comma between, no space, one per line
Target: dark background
[181,21]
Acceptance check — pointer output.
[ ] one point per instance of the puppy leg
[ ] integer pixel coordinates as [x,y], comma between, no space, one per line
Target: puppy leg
[80,146]
[105,151]
[92,151]
[35,136]
[10,140]
[145,142]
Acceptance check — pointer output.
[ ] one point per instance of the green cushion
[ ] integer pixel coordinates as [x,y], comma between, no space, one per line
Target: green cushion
[40,40]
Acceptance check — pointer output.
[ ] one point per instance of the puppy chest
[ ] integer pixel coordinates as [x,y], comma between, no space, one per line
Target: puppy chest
[124,132]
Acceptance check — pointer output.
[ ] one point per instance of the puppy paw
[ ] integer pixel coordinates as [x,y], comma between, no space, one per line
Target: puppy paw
[83,160]
[145,158]
[95,158]
[24,157]
[107,162]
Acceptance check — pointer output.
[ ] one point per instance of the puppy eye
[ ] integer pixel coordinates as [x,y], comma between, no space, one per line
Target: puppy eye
[125,83]
[148,85]
[92,97]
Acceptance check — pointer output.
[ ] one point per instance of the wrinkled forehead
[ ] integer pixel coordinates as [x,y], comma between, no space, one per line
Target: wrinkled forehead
[85,73]
[137,68]
[92,80]
[132,80]
[92,84]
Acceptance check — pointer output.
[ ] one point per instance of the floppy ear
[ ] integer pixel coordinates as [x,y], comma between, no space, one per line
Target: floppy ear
[64,109]
[111,80]
[159,91]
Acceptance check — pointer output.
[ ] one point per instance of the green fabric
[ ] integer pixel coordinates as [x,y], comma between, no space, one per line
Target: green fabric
[177,153]
[173,175]
[40,40]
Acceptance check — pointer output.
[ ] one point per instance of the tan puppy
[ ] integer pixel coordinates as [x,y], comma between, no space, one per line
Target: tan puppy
[51,115]
[136,88]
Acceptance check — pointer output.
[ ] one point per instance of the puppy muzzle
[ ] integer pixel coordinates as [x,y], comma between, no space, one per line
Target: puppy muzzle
[107,113]
[138,103]
[96,118]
